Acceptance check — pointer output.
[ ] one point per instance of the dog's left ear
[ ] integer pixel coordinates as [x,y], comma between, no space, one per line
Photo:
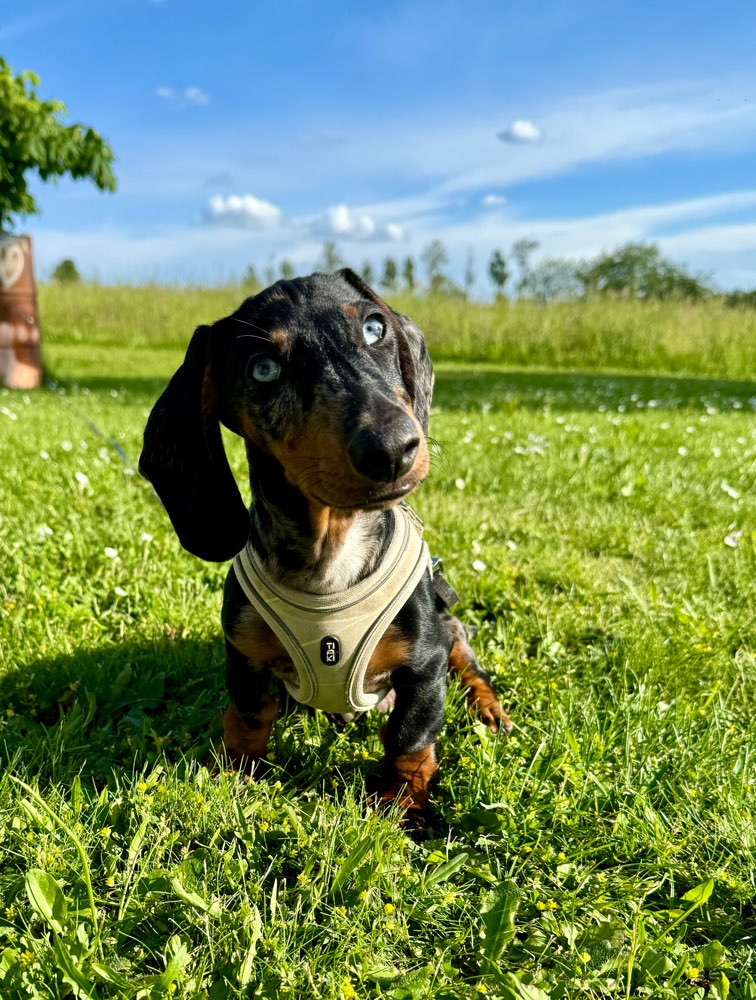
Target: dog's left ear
[184,459]
[414,362]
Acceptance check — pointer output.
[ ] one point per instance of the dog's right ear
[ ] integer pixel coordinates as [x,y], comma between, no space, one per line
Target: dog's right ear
[184,459]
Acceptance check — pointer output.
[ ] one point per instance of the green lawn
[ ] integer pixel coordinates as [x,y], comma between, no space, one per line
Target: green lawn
[601,528]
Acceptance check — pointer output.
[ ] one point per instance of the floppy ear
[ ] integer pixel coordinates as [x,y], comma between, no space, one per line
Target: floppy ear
[414,362]
[184,459]
[416,368]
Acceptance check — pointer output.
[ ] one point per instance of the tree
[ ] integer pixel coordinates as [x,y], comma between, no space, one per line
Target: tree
[435,258]
[332,259]
[498,270]
[554,280]
[34,140]
[287,269]
[738,299]
[408,274]
[638,270]
[66,273]
[390,273]
[367,272]
[251,280]
[521,251]
[469,273]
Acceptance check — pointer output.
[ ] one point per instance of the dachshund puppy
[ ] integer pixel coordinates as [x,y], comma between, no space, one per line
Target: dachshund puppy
[331,588]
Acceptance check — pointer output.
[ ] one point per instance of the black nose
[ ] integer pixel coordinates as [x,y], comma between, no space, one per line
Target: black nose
[384,453]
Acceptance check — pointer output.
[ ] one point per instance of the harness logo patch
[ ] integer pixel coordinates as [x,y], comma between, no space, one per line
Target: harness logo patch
[330,650]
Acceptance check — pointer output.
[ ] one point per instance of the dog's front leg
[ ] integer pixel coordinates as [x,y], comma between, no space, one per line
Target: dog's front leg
[409,737]
[248,720]
[463,664]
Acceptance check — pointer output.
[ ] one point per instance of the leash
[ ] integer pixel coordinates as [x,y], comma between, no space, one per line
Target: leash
[129,466]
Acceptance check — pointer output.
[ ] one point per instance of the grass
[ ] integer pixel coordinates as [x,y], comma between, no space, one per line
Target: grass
[600,527]
[704,339]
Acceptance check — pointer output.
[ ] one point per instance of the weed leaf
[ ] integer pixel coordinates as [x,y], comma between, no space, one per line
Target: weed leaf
[498,913]
[720,986]
[194,899]
[350,863]
[72,974]
[255,933]
[700,893]
[109,975]
[516,990]
[446,870]
[46,898]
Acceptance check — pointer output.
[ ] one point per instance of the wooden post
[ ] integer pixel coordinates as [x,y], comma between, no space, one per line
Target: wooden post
[20,348]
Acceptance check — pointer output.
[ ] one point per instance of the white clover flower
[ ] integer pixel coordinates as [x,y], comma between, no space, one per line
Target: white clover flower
[119,591]
[82,479]
[110,552]
[733,539]
[479,566]
[66,445]
[459,483]
[45,455]
[146,537]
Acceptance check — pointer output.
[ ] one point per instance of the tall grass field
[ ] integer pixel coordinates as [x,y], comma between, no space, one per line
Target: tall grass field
[592,497]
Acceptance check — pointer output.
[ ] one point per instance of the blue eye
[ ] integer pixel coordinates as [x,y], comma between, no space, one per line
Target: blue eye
[373,329]
[266,370]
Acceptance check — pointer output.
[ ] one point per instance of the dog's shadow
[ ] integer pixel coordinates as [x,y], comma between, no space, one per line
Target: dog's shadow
[125,707]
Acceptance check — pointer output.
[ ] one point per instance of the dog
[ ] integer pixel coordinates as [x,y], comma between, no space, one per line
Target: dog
[331,391]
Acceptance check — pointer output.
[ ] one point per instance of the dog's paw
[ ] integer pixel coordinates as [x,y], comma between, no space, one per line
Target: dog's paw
[413,810]
[494,717]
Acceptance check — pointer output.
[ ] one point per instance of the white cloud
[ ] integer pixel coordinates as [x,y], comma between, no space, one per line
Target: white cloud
[195,95]
[242,212]
[521,131]
[189,95]
[222,252]
[492,200]
[736,238]
[342,222]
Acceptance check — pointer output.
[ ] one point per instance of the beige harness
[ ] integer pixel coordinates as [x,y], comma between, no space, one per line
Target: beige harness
[331,637]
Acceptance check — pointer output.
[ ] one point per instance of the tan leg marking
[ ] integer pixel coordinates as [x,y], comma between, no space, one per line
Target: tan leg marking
[412,775]
[244,743]
[481,697]
[391,652]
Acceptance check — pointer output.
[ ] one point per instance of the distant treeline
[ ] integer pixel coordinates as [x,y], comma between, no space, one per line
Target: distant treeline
[632,271]
[88,321]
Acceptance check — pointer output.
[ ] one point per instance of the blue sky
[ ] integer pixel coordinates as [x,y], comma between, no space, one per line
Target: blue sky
[247,132]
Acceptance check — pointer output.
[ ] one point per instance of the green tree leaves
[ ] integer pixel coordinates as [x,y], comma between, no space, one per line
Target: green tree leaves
[34,140]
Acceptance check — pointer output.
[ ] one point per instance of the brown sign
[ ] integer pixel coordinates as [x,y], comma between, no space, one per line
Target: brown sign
[20,349]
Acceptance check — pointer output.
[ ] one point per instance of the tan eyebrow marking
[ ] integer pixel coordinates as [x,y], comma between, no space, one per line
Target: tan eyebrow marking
[279,338]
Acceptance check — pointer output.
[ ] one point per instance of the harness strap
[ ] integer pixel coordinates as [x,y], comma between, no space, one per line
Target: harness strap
[331,637]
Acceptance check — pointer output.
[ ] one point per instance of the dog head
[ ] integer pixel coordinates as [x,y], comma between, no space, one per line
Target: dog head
[318,375]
